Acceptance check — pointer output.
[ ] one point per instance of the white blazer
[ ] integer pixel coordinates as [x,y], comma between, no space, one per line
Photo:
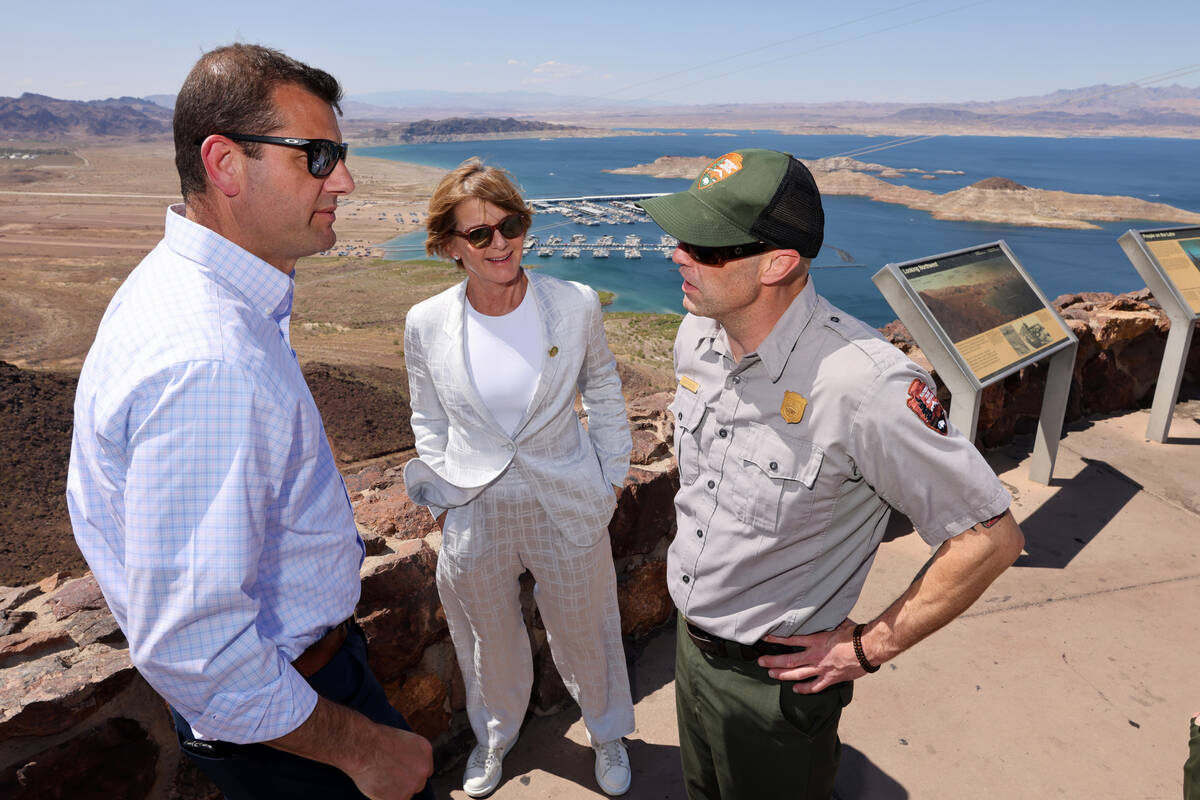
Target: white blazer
[462,449]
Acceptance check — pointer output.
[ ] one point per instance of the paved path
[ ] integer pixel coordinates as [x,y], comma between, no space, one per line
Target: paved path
[1073,676]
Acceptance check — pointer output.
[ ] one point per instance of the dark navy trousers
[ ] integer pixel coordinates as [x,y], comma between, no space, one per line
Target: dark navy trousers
[256,771]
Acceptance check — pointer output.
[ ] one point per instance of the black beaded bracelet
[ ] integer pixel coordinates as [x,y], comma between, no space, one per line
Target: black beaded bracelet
[858,649]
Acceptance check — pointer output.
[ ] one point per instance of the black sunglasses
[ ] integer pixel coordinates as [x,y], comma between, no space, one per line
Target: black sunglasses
[717,256]
[480,236]
[323,154]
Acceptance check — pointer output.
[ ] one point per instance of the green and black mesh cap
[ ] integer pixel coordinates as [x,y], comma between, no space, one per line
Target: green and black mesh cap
[745,196]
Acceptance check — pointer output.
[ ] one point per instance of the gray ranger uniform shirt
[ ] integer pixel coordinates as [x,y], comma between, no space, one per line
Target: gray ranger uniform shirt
[790,462]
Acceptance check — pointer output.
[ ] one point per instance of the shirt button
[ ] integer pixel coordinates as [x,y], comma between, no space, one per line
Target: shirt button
[712,485]
[686,579]
[700,534]
[723,433]
[834,319]
[774,465]
[737,378]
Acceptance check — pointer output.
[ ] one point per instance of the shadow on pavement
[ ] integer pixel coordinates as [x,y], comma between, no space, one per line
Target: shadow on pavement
[1066,523]
[859,779]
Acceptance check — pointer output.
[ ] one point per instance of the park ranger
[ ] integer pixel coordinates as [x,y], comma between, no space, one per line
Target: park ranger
[798,429]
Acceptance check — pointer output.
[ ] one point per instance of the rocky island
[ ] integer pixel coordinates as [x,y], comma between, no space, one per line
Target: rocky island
[997,200]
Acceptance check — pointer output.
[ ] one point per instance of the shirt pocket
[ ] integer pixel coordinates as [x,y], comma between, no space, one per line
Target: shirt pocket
[775,473]
[689,411]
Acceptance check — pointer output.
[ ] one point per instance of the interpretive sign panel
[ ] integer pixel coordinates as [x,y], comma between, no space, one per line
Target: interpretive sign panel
[1178,253]
[986,307]
[977,316]
[1168,259]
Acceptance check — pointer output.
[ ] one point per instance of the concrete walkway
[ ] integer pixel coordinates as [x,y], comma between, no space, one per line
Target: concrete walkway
[1073,676]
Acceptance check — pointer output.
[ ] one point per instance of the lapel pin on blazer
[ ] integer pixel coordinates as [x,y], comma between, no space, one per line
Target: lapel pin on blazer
[554,351]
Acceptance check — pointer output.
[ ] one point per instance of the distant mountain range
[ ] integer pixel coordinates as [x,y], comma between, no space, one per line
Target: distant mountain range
[455,128]
[1091,110]
[35,116]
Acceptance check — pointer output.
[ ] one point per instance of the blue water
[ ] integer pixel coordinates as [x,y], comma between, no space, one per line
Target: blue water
[868,233]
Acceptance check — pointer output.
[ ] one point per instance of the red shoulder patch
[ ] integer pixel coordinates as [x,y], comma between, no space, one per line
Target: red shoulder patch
[924,403]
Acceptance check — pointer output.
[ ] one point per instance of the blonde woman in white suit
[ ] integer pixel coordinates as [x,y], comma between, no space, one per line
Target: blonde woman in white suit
[514,479]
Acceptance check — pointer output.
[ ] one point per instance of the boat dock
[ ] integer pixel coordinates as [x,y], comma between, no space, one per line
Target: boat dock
[591,210]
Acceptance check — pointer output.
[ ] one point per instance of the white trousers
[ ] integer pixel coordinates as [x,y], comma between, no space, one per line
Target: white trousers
[503,532]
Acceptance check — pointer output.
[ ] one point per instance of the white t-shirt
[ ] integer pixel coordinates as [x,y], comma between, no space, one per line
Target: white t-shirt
[505,357]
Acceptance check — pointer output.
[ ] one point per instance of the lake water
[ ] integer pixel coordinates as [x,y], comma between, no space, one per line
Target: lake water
[867,234]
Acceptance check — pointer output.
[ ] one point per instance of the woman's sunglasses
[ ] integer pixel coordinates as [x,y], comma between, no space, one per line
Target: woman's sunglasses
[323,154]
[480,236]
[718,256]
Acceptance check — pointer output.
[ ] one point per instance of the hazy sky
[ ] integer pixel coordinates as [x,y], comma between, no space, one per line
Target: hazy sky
[701,51]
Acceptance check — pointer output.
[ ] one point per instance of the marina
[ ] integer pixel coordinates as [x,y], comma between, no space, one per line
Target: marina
[590,211]
[593,210]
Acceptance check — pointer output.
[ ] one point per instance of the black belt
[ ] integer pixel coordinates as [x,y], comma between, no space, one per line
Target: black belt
[725,648]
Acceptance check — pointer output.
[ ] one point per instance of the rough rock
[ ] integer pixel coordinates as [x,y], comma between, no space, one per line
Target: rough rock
[646,511]
[388,511]
[422,699]
[13,596]
[648,447]
[643,597]
[114,759]
[399,608]
[49,695]
[82,594]
[373,477]
[30,644]
[14,621]
[52,582]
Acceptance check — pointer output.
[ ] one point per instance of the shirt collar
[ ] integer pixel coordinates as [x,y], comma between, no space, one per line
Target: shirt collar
[263,286]
[781,341]
[774,350]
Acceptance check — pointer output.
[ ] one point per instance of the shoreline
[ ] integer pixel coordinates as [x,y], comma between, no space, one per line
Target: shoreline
[992,200]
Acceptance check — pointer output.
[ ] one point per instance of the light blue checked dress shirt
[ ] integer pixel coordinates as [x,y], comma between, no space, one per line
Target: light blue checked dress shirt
[202,490]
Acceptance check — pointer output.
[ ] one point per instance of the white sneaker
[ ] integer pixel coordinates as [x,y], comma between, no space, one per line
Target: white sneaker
[482,775]
[612,767]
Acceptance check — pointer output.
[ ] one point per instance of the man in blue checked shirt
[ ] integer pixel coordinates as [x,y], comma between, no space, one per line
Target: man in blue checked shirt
[202,490]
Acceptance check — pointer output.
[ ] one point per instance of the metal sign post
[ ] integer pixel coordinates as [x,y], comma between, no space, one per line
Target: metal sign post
[1168,259]
[978,317]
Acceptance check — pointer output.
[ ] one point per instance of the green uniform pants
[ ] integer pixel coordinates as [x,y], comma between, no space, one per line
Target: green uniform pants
[1191,767]
[744,735]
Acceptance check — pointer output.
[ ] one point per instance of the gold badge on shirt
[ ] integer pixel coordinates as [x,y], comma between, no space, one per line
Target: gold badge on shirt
[792,408]
[688,383]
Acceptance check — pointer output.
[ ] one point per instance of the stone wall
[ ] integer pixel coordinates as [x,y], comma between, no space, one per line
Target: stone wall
[77,721]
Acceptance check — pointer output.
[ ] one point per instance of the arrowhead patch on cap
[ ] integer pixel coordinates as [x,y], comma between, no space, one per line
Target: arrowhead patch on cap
[719,170]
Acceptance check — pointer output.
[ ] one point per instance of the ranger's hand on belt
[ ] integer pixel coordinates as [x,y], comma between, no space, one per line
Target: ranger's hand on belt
[827,658]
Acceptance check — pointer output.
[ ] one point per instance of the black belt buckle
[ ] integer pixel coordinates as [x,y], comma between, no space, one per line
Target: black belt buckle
[765,648]
[208,748]
[715,645]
